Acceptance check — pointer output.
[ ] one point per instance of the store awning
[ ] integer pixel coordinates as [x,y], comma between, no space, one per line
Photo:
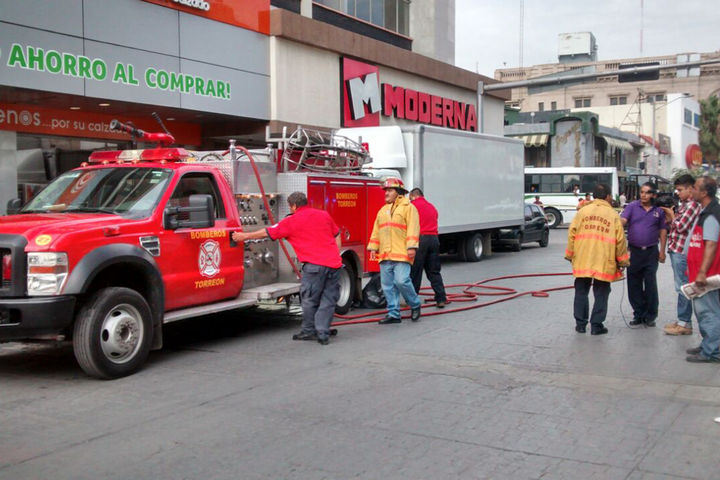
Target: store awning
[537,140]
[617,143]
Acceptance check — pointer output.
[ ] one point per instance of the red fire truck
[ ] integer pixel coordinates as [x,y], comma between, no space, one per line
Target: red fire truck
[109,252]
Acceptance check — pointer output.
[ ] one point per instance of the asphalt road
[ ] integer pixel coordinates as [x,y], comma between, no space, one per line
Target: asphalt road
[508,391]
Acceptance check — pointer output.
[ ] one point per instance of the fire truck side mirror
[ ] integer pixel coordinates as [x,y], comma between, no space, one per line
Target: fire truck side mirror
[13,206]
[201,214]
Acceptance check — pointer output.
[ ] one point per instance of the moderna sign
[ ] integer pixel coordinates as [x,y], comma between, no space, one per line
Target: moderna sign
[365,98]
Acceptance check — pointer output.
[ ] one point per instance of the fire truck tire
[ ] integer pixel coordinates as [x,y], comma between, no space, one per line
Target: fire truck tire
[346,281]
[473,247]
[554,217]
[113,333]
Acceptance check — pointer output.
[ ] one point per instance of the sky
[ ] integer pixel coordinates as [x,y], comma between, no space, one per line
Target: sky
[487,32]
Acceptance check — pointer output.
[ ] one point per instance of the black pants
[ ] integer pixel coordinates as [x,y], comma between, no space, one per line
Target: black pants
[601,292]
[427,258]
[642,283]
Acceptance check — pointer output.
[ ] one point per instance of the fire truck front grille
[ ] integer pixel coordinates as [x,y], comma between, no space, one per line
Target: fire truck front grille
[5,259]
[13,266]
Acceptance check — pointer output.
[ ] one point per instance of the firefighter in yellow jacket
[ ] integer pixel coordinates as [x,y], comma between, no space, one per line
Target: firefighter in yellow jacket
[598,252]
[394,240]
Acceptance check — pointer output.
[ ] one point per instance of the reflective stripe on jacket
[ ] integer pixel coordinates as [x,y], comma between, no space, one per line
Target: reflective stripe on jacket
[397,228]
[596,243]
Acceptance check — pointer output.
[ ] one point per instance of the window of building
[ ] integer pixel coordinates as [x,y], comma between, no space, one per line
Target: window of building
[553,106]
[618,100]
[393,15]
[688,119]
[696,120]
[655,97]
[581,102]
[541,106]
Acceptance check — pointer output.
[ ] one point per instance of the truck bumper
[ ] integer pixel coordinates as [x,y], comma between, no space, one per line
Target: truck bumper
[34,317]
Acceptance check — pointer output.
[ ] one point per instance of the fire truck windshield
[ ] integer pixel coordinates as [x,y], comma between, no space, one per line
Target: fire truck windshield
[131,192]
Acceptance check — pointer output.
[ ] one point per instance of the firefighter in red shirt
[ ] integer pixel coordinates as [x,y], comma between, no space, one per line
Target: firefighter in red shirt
[316,241]
[427,256]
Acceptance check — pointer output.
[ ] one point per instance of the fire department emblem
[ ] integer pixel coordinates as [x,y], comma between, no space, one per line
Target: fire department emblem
[209,258]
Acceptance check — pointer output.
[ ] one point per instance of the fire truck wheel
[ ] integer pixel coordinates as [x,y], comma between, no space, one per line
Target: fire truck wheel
[473,247]
[554,217]
[346,280]
[113,333]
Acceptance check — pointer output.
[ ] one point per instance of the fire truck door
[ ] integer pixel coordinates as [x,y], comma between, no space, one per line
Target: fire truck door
[200,265]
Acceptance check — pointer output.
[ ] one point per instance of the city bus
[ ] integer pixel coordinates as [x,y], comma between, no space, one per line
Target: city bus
[561,188]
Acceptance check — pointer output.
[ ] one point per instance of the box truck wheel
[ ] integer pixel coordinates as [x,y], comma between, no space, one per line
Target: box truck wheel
[473,247]
[346,279]
[554,217]
[112,333]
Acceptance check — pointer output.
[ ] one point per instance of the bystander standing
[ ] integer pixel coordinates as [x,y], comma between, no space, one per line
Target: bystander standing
[703,259]
[646,225]
[681,224]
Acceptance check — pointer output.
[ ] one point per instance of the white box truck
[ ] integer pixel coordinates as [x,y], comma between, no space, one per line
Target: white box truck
[474,180]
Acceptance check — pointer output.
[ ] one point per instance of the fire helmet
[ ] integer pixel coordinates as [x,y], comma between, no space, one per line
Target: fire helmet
[396,183]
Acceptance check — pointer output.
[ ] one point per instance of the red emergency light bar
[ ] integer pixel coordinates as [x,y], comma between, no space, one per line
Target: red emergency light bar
[149,155]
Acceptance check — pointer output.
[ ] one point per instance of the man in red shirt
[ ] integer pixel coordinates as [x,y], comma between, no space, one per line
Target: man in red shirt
[703,261]
[427,256]
[316,241]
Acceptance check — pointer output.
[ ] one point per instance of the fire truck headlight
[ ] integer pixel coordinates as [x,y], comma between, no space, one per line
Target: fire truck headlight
[47,272]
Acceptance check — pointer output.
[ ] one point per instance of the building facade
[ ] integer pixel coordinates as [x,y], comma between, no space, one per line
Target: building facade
[215,70]
[663,113]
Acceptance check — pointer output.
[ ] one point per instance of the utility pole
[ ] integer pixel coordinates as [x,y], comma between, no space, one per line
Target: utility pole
[642,25]
[522,29]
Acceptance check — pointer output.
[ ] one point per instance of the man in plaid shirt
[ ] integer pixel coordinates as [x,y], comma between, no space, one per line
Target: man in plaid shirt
[681,224]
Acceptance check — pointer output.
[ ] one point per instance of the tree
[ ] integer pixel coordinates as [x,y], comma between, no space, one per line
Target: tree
[710,129]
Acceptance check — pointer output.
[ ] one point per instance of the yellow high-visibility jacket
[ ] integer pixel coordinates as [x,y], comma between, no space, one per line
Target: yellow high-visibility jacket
[596,243]
[397,228]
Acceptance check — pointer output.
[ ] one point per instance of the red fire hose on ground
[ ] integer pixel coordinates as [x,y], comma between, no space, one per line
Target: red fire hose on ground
[467,295]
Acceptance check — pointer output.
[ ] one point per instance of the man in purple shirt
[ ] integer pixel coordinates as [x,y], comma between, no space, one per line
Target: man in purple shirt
[645,225]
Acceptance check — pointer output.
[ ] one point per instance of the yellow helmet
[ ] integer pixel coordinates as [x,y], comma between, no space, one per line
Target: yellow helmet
[396,183]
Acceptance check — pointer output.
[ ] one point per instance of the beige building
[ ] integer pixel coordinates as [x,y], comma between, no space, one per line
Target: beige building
[664,113]
[700,83]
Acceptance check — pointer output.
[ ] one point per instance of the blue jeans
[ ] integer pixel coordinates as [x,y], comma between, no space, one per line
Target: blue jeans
[684,306]
[395,277]
[707,311]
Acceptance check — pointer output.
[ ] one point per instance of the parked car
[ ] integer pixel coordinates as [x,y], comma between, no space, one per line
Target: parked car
[535,229]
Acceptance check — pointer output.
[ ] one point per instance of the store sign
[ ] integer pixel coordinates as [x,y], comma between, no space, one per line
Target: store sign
[28,57]
[33,119]
[693,156]
[365,98]
[250,14]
